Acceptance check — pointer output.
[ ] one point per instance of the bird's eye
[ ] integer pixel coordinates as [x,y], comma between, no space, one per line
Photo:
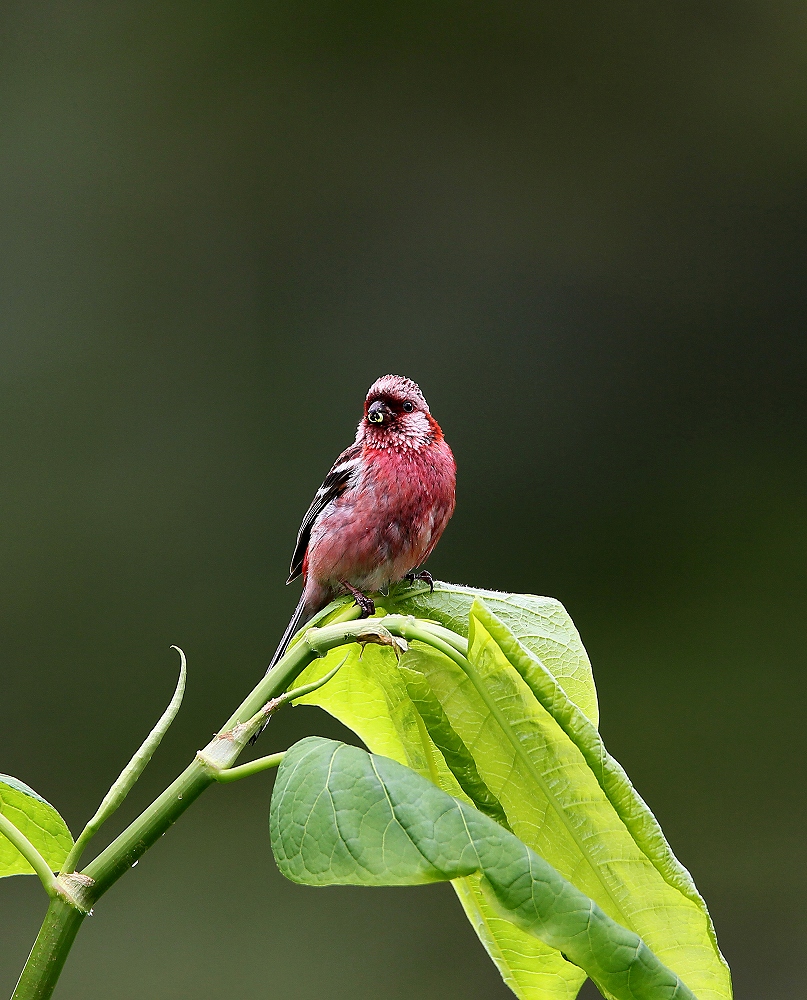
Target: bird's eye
[408,407]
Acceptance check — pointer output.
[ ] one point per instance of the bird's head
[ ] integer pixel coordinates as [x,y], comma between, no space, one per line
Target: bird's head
[397,415]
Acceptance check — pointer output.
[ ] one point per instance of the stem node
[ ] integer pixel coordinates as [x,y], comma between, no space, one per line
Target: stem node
[76,890]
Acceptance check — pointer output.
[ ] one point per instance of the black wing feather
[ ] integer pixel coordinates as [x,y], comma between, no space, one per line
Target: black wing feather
[334,485]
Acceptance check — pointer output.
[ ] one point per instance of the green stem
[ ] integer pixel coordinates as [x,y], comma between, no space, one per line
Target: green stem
[129,775]
[442,639]
[220,754]
[253,767]
[30,853]
[49,952]
[305,689]
[64,915]
[272,706]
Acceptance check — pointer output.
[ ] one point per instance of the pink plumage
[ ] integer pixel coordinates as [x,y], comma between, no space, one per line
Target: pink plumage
[381,509]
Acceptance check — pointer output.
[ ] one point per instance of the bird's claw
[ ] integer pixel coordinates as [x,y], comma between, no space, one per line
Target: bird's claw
[423,575]
[367,604]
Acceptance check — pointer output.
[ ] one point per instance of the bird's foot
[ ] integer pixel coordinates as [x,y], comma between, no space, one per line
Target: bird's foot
[424,575]
[367,604]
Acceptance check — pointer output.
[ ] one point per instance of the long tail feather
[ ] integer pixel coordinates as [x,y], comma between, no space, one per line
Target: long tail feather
[301,615]
[298,619]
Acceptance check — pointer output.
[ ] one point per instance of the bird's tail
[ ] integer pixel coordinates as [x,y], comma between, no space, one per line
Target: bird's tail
[301,615]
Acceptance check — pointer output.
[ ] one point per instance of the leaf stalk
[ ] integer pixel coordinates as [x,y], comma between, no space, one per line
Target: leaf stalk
[30,853]
[224,775]
[129,775]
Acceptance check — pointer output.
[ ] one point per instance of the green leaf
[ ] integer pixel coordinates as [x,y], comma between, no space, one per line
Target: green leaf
[38,821]
[532,969]
[631,808]
[340,816]
[517,742]
[542,624]
[369,695]
[557,800]
[454,751]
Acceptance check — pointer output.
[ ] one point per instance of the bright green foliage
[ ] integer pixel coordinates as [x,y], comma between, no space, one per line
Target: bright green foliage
[450,745]
[542,624]
[40,823]
[512,731]
[369,695]
[342,816]
[639,870]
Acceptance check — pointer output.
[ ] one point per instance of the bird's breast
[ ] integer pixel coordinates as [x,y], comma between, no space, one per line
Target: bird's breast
[386,524]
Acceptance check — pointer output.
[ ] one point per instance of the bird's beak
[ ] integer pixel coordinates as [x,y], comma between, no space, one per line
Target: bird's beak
[377,412]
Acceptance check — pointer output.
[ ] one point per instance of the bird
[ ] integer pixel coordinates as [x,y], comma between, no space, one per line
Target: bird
[381,509]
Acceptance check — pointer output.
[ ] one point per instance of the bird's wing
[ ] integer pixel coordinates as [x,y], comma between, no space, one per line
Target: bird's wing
[344,471]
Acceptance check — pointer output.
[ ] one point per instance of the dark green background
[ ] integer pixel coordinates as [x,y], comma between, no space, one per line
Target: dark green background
[583,229]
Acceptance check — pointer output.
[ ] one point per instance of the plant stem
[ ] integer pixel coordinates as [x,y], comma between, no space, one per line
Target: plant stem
[246,770]
[129,775]
[30,853]
[219,754]
[64,916]
[50,951]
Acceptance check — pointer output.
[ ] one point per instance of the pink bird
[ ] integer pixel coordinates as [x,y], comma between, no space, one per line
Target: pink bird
[381,509]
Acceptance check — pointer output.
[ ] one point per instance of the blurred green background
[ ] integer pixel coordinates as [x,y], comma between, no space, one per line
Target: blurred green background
[583,229]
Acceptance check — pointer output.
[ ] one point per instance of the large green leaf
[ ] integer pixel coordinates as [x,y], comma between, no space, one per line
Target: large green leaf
[507,735]
[573,804]
[623,797]
[40,823]
[341,816]
[370,695]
